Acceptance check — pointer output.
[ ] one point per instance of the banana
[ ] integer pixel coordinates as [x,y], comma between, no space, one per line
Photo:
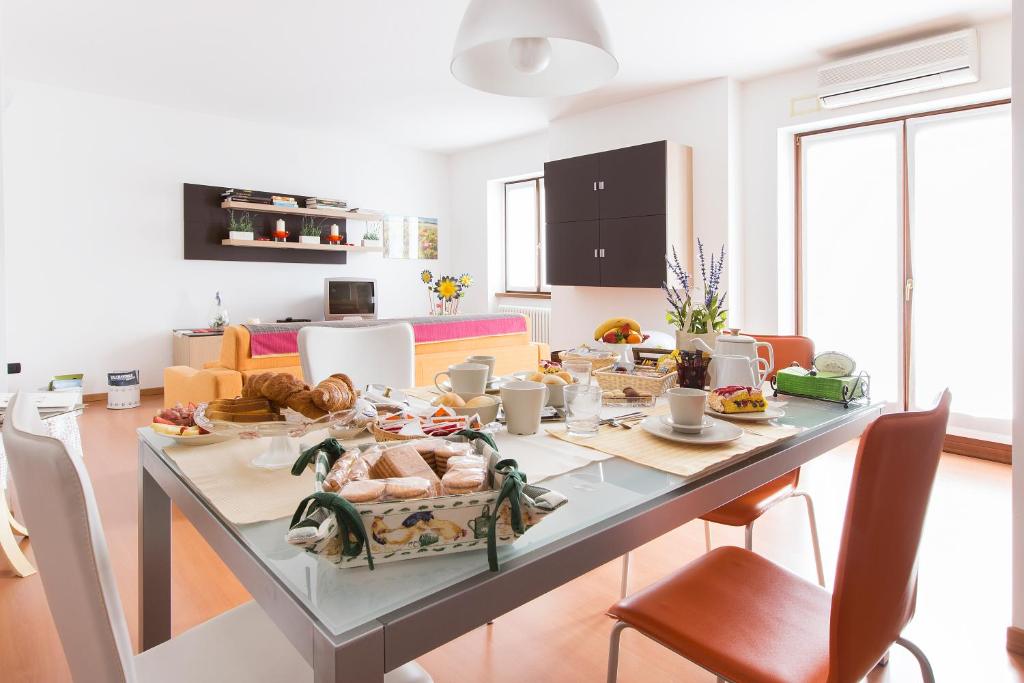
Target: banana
[613,323]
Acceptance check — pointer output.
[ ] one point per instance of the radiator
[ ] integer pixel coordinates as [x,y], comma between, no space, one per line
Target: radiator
[540,320]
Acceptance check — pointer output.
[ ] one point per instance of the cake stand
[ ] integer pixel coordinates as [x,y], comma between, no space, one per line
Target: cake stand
[281,450]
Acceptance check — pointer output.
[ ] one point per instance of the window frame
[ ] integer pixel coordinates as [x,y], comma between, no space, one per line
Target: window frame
[538,292]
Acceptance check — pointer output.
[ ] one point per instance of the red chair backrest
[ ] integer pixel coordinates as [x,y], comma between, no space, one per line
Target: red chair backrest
[788,349]
[876,574]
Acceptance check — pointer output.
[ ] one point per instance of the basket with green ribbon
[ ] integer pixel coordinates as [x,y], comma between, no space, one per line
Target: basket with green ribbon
[353,534]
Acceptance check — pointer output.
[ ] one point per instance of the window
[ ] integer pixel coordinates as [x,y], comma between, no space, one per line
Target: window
[903,242]
[524,237]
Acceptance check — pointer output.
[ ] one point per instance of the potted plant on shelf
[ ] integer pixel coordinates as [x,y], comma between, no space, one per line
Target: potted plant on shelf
[311,230]
[239,225]
[698,311]
[371,237]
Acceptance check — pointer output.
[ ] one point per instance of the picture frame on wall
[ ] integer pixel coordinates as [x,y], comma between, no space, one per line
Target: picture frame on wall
[410,237]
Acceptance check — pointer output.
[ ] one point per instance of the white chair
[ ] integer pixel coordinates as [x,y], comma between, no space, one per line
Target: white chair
[71,552]
[383,354]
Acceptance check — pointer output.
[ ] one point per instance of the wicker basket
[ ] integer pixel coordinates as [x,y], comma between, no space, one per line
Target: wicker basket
[382,435]
[656,385]
[597,362]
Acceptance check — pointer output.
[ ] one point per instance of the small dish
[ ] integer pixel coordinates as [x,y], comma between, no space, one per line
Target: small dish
[770,413]
[706,423]
[718,433]
[196,440]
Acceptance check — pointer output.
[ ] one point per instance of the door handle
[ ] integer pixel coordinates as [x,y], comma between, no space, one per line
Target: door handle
[602,253]
[600,184]
[595,253]
[595,186]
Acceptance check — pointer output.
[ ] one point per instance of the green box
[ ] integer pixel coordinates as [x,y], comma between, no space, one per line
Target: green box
[799,382]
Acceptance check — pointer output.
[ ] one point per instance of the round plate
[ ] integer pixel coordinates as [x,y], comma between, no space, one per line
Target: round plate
[198,440]
[719,432]
[686,429]
[769,413]
[493,385]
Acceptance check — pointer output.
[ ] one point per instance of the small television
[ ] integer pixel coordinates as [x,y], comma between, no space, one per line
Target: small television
[349,297]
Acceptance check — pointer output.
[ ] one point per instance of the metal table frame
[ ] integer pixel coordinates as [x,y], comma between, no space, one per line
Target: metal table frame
[389,641]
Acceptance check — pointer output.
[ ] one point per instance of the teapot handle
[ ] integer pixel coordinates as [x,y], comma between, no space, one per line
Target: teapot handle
[771,355]
[763,368]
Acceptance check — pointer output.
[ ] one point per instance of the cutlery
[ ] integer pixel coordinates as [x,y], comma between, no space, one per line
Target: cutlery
[610,420]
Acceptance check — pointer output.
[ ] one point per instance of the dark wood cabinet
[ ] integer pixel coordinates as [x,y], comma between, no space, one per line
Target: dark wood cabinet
[613,216]
[632,181]
[572,253]
[570,189]
[626,255]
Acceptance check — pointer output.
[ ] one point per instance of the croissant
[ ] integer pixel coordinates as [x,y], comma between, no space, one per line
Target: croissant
[281,386]
[332,395]
[347,380]
[254,383]
[302,402]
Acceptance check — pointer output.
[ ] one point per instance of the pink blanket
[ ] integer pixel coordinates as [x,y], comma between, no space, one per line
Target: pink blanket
[276,339]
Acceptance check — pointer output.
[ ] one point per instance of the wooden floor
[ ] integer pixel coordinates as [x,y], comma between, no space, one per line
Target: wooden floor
[962,613]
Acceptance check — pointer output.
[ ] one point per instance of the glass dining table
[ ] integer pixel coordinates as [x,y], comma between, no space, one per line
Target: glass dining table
[354,624]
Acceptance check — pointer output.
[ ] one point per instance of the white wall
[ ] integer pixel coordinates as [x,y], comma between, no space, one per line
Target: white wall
[1018,319]
[477,207]
[696,115]
[94,226]
[767,171]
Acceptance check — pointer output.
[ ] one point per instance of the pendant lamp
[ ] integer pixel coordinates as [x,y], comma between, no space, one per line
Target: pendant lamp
[533,48]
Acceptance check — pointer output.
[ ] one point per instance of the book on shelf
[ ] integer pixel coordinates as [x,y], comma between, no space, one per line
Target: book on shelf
[251,200]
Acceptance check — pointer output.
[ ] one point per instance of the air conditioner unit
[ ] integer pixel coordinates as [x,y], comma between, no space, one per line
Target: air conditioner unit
[939,62]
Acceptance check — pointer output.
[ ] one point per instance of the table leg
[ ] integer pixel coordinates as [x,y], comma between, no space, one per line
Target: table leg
[154,560]
[359,660]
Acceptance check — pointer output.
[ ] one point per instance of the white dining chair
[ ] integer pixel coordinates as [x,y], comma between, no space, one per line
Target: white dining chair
[381,354]
[242,644]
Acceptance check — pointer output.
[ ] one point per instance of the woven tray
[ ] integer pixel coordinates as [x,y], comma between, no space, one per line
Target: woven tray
[596,362]
[656,385]
[384,435]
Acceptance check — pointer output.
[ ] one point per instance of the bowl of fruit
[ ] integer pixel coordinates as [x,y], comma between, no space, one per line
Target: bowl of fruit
[620,335]
[178,423]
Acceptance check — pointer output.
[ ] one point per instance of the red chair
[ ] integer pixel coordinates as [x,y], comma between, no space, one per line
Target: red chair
[748,508]
[744,618]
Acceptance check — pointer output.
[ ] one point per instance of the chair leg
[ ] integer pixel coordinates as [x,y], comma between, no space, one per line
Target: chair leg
[814,535]
[613,650]
[624,587]
[748,536]
[926,668]
[707,536]
[9,547]
[17,526]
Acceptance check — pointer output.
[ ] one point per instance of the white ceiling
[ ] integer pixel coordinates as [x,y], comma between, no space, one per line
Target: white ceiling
[380,68]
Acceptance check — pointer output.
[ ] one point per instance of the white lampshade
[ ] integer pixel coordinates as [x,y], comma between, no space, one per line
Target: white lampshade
[533,48]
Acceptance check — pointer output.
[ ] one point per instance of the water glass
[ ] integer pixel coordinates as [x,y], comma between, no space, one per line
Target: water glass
[583,409]
[579,369]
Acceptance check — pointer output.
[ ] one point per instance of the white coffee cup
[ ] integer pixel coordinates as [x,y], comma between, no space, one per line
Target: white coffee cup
[466,379]
[687,406]
[523,402]
[489,361]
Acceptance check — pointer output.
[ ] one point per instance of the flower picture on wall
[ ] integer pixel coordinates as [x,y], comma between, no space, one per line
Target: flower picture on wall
[410,237]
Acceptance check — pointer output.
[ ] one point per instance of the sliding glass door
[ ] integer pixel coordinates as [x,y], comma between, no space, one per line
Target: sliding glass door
[903,237]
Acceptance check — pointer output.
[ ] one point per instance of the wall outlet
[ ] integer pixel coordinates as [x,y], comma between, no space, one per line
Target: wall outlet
[13,368]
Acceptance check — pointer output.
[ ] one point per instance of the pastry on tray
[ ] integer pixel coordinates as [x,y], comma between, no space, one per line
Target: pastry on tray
[285,390]
[737,399]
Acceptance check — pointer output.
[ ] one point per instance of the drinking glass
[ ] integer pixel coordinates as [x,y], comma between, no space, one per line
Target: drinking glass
[579,369]
[583,409]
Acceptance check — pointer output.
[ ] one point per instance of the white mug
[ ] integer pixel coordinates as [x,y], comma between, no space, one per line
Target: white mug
[687,405]
[489,361]
[523,402]
[466,379]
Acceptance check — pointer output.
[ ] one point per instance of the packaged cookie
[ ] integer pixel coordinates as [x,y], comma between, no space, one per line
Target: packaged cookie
[449,450]
[468,480]
[363,491]
[349,467]
[404,461]
[466,462]
[407,488]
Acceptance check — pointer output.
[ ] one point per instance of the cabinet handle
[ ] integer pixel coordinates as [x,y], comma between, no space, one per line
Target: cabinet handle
[602,253]
[595,253]
[595,186]
[600,185]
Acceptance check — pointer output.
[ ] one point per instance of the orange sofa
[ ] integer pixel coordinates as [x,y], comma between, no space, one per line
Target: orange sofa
[223,378]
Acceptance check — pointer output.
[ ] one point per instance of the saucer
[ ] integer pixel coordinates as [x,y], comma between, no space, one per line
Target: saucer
[718,433]
[686,429]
